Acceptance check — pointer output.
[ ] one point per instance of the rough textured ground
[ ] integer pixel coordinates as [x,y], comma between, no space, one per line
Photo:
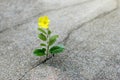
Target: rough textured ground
[90,30]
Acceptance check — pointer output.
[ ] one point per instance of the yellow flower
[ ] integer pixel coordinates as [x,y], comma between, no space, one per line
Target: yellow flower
[43,22]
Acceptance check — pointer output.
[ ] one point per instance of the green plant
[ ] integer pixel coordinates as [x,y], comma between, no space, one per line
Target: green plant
[47,46]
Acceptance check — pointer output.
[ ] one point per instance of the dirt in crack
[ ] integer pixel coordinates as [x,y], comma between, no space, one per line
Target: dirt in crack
[37,64]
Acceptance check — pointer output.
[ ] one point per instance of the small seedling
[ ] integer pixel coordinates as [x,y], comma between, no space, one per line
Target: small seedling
[47,47]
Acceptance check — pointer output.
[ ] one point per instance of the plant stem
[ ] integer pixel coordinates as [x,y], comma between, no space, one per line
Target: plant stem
[47,49]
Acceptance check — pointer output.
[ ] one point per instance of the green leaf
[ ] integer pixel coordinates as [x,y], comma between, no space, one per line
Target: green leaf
[42,44]
[49,32]
[56,49]
[39,52]
[53,39]
[41,30]
[42,37]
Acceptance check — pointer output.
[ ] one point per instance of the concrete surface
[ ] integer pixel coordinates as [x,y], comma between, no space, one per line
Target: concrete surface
[90,30]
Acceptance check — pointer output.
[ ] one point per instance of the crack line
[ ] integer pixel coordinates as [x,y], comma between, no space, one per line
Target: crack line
[81,25]
[41,13]
[37,64]
[68,36]
[66,39]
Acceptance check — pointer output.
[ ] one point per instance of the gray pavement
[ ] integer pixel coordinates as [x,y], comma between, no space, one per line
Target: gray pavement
[90,30]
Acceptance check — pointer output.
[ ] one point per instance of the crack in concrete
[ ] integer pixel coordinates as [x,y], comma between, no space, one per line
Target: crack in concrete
[41,13]
[37,64]
[68,36]
[79,26]
[4,30]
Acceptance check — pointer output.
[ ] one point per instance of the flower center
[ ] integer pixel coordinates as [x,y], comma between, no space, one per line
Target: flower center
[45,22]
